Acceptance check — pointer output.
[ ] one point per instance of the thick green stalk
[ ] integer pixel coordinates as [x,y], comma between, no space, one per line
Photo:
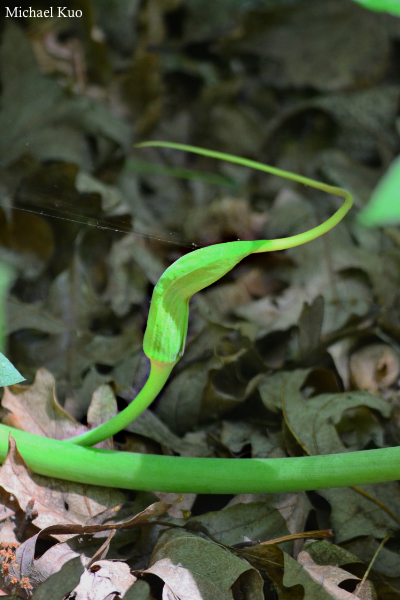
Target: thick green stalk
[159,374]
[201,475]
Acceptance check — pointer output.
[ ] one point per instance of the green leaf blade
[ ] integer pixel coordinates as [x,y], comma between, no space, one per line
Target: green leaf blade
[384,205]
[8,373]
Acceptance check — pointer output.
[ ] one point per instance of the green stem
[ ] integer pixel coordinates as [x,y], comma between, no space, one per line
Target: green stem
[159,373]
[284,243]
[201,475]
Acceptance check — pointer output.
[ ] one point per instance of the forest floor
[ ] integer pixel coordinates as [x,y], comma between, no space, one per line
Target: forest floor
[290,353]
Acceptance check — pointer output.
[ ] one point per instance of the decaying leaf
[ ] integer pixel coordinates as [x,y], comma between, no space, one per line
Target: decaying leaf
[312,419]
[176,561]
[25,573]
[317,581]
[21,570]
[35,409]
[375,367]
[386,561]
[104,578]
[61,582]
[240,522]
[376,512]
[302,36]
[29,98]
[55,501]
[103,407]
[150,426]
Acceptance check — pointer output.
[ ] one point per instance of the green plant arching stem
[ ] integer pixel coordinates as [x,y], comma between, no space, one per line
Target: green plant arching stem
[165,335]
[164,345]
[285,243]
[201,475]
[159,374]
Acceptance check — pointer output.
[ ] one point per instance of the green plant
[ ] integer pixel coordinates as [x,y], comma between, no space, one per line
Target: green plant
[165,336]
[383,207]
[8,373]
[164,344]
[390,6]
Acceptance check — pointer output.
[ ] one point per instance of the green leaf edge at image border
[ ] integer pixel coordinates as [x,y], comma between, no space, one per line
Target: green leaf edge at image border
[384,205]
[390,6]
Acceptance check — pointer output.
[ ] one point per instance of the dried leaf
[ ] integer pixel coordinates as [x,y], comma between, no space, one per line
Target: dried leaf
[294,43]
[56,501]
[102,579]
[237,435]
[374,367]
[30,240]
[235,524]
[176,561]
[35,409]
[103,406]
[61,582]
[23,569]
[324,553]
[131,266]
[318,581]
[312,420]
[310,327]
[386,562]
[140,590]
[151,512]
[41,114]
[30,573]
[354,514]
[150,426]
[181,403]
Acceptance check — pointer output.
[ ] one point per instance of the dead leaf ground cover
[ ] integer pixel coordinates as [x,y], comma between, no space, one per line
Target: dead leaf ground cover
[290,353]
